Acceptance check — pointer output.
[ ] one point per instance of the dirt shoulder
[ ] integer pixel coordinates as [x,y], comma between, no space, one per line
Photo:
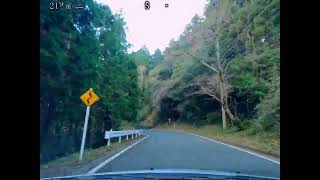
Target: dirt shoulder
[70,165]
[263,144]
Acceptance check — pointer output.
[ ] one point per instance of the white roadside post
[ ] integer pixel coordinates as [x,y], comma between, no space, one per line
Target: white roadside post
[88,98]
[119,139]
[109,139]
[127,136]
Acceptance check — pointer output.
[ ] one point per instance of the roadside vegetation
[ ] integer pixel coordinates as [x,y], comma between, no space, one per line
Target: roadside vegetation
[70,164]
[264,143]
[221,78]
[78,51]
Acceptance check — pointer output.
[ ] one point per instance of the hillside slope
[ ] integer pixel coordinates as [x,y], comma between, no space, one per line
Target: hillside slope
[249,46]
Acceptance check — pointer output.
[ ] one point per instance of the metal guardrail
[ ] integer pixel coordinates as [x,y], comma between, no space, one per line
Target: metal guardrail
[112,134]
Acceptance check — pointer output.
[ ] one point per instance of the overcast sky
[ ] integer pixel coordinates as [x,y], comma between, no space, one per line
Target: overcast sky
[155,27]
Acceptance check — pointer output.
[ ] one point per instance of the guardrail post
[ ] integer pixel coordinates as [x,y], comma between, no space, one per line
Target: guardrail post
[109,138]
[127,136]
[131,136]
[119,139]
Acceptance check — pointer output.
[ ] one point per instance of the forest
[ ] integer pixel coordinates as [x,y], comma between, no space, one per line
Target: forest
[224,69]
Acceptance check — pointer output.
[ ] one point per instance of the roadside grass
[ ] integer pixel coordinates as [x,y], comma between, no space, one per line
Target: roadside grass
[68,164]
[265,143]
[126,125]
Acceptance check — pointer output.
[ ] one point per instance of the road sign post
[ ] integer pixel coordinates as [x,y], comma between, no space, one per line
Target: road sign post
[84,132]
[88,98]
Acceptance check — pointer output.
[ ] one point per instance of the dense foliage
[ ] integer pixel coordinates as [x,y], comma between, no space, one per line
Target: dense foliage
[250,44]
[145,62]
[80,50]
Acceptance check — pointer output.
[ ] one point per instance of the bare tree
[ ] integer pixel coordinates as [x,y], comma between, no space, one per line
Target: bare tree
[217,88]
[217,85]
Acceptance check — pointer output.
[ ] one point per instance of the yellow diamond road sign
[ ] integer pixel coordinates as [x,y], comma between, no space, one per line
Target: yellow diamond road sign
[89,97]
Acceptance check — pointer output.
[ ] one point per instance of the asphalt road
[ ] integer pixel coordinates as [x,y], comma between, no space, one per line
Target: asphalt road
[173,150]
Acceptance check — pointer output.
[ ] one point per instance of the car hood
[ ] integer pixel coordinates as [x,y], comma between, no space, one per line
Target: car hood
[163,173]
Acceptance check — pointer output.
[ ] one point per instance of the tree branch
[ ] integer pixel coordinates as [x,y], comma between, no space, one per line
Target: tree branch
[215,97]
[227,66]
[203,62]
[177,54]
[207,93]
[210,94]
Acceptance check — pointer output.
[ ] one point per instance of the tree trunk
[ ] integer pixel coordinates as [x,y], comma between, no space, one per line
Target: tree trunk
[223,112]
[224,119]
[231,116]
[224,106]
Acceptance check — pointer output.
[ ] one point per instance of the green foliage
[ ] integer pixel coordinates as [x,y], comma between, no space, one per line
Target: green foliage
[243,124]
[165,74]
[156,58]
[269,110]
[143,112]
[253,50]
[143,58]
[214,117]
[79,50]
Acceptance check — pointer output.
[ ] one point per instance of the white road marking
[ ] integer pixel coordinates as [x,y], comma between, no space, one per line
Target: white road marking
[100,165]
[236,148]
[95,169]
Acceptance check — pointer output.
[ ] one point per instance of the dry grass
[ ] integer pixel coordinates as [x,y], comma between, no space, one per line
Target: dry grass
[148,122]
[264,143]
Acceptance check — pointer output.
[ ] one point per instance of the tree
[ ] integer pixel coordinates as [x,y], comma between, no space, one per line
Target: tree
[156,58]
[215,32]
[79,50]
[217,86]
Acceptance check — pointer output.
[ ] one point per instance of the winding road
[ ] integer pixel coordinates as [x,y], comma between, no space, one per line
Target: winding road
[174,150]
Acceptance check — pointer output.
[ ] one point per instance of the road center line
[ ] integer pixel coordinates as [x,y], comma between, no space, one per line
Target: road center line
[95,169]
[235,148]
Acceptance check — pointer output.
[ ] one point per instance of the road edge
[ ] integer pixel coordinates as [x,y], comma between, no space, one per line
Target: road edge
[95,169]
[234,147]
[84,173]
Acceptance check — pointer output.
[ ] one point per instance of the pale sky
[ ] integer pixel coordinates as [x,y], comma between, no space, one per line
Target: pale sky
[155,27]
